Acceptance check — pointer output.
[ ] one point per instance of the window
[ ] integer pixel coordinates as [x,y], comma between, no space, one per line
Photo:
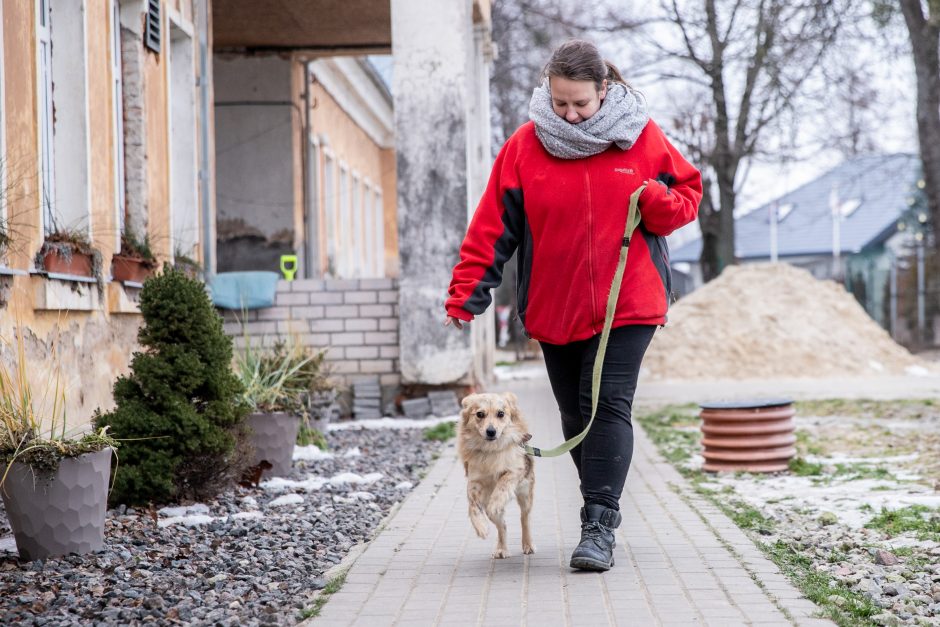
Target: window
[117,112]
[65,193]
[44,48]
[379,213]
[329,211]
[184,199]
[368,228]
[356,243]
[345,222]
[3,125]
[312,213]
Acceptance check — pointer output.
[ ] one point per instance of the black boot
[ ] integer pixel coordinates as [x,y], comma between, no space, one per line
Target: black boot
[596,549]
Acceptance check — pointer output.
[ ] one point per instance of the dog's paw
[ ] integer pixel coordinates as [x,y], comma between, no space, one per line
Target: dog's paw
[500,554]
[528,549]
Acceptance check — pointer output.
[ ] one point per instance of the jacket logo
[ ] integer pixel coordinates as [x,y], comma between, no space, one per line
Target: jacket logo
[624,170]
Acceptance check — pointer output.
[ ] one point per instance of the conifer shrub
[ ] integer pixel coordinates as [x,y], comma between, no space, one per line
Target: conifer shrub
[179,414]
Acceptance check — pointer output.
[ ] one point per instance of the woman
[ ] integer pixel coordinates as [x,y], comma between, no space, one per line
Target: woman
[559,193]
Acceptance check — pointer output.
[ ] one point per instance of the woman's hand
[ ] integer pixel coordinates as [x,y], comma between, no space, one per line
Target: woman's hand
[450,320]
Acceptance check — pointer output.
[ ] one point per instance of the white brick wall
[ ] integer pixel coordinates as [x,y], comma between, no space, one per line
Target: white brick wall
[355,319]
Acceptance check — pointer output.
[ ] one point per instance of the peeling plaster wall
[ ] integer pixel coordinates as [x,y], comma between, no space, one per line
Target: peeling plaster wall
[433,50]
[86,353]
[255,186]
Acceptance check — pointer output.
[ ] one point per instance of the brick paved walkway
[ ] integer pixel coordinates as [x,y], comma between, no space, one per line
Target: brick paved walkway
[680,561]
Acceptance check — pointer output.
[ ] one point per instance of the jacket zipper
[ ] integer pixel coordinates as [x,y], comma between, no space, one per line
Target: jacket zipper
[590,209]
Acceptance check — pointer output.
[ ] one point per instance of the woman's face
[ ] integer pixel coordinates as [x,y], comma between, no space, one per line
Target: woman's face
[576,101]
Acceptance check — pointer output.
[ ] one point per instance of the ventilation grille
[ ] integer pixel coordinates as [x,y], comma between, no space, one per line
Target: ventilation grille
[153,28]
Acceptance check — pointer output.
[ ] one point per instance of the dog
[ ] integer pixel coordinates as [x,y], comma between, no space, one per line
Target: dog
[490,434]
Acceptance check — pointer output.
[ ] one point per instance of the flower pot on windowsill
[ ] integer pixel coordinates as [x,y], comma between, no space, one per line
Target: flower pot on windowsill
[62,512]
[273,436]
[75,263]
[125,268]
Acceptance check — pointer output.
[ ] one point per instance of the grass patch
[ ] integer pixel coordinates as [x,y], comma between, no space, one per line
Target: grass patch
[862,471]
[308,435]
[671,431]
[820,587]
[331,587]
[748,517]
[923,520]
[906,408]
[806,444]
[802,468]
[441,432]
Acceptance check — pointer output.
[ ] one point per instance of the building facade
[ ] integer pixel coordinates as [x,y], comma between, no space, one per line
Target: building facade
[101,134]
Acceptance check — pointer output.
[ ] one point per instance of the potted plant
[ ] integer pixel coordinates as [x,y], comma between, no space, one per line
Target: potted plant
[276,389]
[54,487]
[135,261]
[186,264]
[69,252]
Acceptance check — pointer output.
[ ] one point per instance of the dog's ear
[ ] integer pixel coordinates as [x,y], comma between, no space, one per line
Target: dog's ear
[513,403]
[466,406]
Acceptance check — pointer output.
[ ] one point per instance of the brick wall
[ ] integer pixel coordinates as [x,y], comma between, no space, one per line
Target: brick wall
[355,319]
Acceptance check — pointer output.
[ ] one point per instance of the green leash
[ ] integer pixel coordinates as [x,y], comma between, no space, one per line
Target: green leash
[633,220]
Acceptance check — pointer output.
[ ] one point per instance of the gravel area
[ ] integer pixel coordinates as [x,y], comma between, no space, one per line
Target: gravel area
[253,556]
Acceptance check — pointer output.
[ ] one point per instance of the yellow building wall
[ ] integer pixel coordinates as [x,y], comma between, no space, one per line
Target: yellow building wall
[353,146]
[85,351]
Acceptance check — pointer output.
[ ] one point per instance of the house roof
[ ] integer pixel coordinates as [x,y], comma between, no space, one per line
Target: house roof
[872,192]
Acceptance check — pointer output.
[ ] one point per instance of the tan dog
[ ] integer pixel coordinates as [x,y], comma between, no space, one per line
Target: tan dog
[490,433]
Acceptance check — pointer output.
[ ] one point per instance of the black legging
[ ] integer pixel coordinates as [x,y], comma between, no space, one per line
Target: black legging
[603,457]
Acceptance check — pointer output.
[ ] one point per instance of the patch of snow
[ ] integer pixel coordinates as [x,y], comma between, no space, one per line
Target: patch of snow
[842,458]
[404,485]
[287,499]
[353,452]
[247,516]
[352,478]
[842,498]
[362,496]
[183,510]
[514,373]
[311,453]
[8,543]
[389,423]
[877,366]
[917,371]
[193,520]
[279,484]
[313,482]
[249,502]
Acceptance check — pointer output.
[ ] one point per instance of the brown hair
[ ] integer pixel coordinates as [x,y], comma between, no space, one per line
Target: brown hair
[580,60]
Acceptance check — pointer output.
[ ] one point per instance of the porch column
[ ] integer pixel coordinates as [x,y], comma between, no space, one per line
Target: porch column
[432,47]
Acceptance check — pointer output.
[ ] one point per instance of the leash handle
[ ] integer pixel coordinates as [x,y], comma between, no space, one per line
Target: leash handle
[633,220]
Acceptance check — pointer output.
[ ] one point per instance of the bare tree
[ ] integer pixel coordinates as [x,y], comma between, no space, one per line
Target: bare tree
[525,32]
[922,19]
[749,60]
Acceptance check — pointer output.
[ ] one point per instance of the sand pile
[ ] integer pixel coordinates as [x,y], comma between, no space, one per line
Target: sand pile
[772,320]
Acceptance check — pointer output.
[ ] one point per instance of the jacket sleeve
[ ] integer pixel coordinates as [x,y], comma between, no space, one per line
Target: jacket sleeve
[491,239]
[673,201]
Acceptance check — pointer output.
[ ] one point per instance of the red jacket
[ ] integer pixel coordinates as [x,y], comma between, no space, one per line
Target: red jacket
[567,219]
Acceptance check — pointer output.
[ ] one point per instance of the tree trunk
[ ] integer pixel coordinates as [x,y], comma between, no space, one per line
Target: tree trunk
[717,226]
[708,220]
[925,45]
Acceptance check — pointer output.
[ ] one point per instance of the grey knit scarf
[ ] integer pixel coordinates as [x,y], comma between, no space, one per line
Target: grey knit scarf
[621,119]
